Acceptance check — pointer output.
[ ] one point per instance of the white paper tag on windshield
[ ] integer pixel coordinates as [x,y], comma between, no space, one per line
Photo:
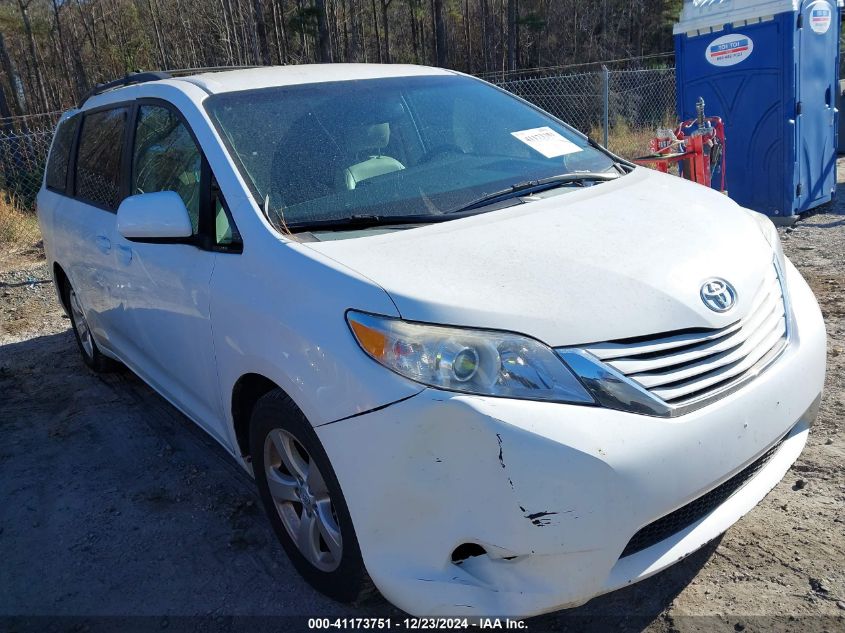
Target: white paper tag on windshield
[546,141]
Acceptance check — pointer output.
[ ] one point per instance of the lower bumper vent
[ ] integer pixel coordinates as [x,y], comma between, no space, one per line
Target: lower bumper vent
[685,516]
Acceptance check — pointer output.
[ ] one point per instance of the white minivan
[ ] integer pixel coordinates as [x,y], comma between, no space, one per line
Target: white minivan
[471,358]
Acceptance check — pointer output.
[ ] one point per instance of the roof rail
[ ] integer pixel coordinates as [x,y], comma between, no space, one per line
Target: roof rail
[128,80]
[139,77]
[181,72]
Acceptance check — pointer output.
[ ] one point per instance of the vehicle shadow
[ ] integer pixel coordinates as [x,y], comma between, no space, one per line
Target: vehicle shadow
[633,608]
[129,473]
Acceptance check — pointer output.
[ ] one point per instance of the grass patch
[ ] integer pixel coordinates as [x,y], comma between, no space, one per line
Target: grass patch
[18,226]
[627,140]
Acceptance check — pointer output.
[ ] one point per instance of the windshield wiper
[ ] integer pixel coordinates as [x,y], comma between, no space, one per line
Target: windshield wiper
[620,164]
[362,221]
[366,221]
[534,186]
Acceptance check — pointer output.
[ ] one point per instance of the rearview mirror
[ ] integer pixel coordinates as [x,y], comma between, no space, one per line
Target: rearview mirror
[154,216]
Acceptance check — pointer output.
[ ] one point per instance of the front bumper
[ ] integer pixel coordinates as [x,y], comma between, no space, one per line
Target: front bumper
[553,492]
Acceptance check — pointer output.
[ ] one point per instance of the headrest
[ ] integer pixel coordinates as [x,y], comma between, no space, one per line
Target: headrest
[364,137]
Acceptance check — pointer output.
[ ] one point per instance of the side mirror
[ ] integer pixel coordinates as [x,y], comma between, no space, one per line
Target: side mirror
[154,216]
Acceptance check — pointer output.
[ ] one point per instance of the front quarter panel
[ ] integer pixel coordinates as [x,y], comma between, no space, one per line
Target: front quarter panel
[278,309]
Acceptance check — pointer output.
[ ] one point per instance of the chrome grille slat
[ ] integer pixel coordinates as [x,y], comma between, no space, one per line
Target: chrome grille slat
[734,352]
[677,393]
[616,350]
[633,365]
[610,351]
[716,376]
[687,367]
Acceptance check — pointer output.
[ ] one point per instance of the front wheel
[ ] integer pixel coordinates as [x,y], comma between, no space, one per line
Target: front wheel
[303,499]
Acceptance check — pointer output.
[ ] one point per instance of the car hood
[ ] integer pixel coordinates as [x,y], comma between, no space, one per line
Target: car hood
[621,259]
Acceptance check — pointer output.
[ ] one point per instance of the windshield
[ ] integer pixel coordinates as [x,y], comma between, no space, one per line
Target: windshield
[390,147]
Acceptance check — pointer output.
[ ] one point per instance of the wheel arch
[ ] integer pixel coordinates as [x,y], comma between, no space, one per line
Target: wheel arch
[61,281]
[247,390]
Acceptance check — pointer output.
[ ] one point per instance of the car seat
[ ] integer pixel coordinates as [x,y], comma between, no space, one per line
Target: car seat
[369,140]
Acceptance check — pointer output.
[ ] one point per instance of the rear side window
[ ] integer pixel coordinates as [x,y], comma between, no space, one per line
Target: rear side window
[99,157]
[59,159]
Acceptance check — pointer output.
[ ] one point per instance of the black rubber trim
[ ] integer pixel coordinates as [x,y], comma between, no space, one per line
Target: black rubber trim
[685,516]
[373,410]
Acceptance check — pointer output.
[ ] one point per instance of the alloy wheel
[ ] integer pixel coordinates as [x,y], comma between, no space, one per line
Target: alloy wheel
[302,500]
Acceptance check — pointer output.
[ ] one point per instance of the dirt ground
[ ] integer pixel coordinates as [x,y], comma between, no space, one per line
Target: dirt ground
[113,504]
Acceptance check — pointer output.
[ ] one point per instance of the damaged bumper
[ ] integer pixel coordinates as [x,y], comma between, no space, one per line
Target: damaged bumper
[554,493]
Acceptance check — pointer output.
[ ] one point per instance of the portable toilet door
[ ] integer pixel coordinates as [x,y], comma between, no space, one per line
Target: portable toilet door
[739,56]
[769,69]
[816,107]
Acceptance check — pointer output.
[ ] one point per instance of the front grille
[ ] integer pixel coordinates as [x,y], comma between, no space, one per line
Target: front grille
[685,516]
[683,367]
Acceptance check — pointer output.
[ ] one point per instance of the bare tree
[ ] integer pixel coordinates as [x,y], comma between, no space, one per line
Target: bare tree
[52,50]
[415,31]
[76,73]
[324,46]
[34,60]
[13,77]
[513,36]
[376,31]
[385,22]
[440,33]
[467,38]
[261,31]
[486,34]
[158,37]
[280,31]
[350,14]
[232,32]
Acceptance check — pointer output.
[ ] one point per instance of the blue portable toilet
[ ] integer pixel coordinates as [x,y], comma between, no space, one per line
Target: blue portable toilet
[770,69]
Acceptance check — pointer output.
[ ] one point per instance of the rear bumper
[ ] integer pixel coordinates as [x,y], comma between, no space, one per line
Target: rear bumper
[553,492]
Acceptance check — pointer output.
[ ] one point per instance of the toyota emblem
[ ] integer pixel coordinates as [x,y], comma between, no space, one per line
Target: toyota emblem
[718,295]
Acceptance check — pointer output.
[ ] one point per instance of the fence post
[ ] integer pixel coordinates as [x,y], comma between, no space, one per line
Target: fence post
[606,97]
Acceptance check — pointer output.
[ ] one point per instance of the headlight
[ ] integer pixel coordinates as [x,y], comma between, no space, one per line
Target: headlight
[770,232]
[469,361]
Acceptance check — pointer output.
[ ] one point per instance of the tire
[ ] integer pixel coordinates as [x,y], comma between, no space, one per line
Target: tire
[280,435]
[91,354]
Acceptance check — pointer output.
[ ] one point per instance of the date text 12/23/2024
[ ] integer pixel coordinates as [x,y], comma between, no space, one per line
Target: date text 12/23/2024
[413,624]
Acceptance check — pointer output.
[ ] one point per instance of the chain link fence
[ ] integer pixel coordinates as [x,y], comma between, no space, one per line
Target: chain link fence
[619,108]
[576,98]
[24,144]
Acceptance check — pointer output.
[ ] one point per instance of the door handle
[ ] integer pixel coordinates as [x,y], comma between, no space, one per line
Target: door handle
[103,243]
[124,254]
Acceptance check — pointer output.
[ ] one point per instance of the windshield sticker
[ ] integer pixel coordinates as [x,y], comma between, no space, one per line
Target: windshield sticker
[729,50]
[820,16]
[546,141]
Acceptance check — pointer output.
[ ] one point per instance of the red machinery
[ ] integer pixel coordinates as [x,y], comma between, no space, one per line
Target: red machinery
[697,146]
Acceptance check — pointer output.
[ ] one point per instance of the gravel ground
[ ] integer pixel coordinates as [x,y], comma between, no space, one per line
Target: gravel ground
[115,505]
